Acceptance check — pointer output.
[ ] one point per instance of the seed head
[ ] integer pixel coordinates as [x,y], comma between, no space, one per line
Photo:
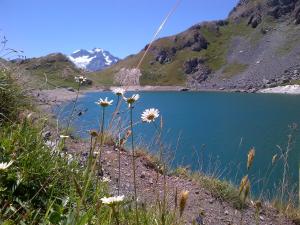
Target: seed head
[93,133]
[258,205]
[182,201]
[247,190]
[243,183]
[251,155]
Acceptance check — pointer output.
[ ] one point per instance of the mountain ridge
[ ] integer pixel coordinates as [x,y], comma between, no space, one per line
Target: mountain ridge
[257,46]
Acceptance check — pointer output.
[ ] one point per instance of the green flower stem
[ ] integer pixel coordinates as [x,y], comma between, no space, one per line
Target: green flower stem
[62,143]
[73,108]
[134,166]
[115,214]
[119,168]
[161,158]
[90,173]
[115,112]
[102,132]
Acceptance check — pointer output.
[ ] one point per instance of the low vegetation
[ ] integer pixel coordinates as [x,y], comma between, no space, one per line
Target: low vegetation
[291,41]
[233,69]
[12,98]
[49,72]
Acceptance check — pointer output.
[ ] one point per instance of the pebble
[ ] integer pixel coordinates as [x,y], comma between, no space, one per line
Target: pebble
[261,218]
[143,175]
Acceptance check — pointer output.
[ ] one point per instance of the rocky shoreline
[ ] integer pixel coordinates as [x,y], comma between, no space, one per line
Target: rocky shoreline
[49,98]
[60,95]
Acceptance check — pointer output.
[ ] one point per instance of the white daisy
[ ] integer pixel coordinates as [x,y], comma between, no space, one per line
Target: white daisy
[4,165]
[149,115]
[112,200]
[105,102]
[132,99]
[118,91]
[80,79]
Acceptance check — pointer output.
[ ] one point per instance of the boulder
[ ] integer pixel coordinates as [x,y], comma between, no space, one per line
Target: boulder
[278,8]
[46,135]
[197,69]
[191,65]
[297,15]
[195,41]
[163,57]
[266,81]
[254,20]
[222,23]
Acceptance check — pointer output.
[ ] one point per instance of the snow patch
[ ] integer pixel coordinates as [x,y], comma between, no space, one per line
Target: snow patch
[98,50]
[108,61]
[94,59]
[287,89]
[82,61]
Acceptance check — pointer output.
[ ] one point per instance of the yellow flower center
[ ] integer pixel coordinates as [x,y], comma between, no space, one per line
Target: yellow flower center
[150,116]
[104,104]
[130,100]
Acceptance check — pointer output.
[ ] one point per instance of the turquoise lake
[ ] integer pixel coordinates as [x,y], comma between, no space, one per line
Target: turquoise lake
[213,128]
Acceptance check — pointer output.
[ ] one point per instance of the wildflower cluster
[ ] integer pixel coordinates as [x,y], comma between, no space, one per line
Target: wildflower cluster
[80,79]
[148,115]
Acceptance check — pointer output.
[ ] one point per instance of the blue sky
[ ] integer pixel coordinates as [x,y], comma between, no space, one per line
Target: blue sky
[123,27]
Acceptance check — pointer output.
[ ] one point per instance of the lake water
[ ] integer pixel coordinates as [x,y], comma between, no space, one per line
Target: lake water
[215,129]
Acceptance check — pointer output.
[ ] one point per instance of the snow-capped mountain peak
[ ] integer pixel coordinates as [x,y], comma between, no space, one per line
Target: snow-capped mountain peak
[93,60]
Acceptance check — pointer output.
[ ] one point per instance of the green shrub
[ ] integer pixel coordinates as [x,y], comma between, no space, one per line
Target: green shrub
[12,100]
[38,174]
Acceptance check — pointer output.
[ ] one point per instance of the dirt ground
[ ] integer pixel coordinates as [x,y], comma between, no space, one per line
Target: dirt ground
[201,204]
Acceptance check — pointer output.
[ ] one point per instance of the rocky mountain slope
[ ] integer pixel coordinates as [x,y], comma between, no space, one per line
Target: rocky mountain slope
[93,60]
[257,46]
